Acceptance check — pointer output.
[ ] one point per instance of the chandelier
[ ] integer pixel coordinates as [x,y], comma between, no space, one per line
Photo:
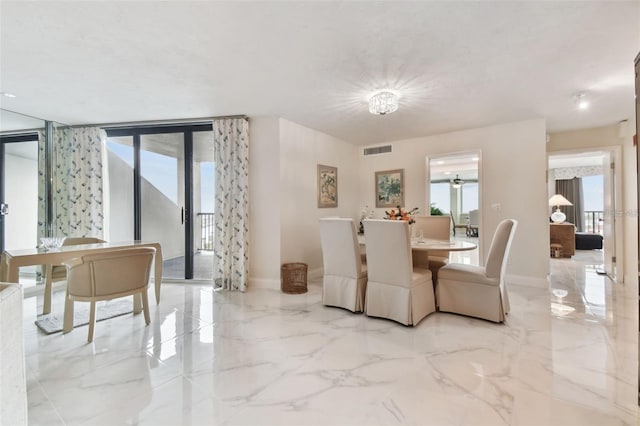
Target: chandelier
[383,103]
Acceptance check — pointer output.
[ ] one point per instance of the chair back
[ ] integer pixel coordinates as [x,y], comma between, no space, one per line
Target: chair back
[340,249]
[388,247]
[473,217]
[499,249]
[74,241]
[433,227]
[112,272]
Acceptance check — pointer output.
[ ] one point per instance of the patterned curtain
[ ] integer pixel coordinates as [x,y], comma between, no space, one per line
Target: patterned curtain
[78,182]
[42,211]
[571,189]
[231,239]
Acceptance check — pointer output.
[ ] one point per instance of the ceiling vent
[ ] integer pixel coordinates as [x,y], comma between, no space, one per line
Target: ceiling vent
[383,149]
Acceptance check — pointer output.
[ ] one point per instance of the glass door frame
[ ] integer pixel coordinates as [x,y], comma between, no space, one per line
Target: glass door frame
[189,218]
[5,139]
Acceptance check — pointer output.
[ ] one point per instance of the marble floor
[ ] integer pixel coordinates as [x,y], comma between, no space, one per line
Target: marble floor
[566,356]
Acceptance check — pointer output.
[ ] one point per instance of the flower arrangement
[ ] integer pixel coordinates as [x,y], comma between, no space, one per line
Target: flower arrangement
[400,213]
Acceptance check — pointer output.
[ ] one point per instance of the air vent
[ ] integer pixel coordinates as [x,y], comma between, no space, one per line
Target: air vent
[383,149]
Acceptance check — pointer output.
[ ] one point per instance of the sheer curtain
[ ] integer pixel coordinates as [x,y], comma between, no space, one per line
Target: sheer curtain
[78,193]
[571,189]
[231,237]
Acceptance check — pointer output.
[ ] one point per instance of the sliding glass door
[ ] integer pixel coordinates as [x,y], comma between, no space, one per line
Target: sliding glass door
[170,170]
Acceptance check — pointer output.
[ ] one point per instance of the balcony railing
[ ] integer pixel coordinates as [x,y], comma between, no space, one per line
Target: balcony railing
[206,231]
[593,221]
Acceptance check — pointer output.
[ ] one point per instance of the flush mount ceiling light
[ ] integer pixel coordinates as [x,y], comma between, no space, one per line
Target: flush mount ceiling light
[581,100]
[7,95]
[457,182]
[383,103]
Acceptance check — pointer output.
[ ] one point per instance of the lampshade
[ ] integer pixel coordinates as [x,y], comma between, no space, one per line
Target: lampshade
[558,200]
[383,103]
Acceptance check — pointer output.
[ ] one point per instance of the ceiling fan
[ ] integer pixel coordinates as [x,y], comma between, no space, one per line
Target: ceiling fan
[457,182]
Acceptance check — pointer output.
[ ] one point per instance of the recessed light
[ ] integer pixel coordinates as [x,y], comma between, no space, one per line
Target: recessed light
[440,163]
[475,159]
[447,173]
[7,95]
[582,102]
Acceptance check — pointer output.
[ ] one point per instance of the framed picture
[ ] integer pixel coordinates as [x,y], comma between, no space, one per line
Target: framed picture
[390,188]
[327,186]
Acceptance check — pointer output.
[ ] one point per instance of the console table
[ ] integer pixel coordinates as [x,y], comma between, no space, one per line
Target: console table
[565,235]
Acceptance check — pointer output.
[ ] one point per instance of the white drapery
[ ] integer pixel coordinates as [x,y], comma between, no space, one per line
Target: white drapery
[78,182]
[231,239]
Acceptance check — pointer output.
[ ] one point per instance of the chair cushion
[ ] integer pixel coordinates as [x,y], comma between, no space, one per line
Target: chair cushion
[466,273]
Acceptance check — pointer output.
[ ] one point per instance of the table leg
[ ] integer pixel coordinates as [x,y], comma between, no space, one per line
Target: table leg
[3,268]
[67,325]
[158,271]
[47,290]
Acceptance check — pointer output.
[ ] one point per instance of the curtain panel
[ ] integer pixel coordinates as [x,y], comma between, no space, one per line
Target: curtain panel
[78,193]
[231,239]
[571,189]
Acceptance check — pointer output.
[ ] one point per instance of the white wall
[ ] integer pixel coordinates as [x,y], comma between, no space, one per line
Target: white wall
[610,136]
[513,164]
[21,193]
[283,160]
[301,150]
[264,201]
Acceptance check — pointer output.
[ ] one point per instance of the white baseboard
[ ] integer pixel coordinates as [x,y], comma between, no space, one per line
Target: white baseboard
[527,281]
[267,283]
[315,273]
[274,284]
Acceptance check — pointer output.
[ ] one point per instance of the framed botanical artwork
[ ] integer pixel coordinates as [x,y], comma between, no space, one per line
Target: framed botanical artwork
[327,186]
[390,188]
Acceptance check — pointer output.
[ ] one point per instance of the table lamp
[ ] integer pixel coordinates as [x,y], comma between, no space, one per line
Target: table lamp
[558,200]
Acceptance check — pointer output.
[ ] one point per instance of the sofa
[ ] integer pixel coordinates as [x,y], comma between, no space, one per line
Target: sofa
[588,241]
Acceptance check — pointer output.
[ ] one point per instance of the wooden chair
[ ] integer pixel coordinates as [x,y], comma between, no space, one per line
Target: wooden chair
[105,276]
[472,227]
[456,225]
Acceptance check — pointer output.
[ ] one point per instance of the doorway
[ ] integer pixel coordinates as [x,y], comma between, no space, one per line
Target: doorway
[596,174]
[161,179]
[453,188]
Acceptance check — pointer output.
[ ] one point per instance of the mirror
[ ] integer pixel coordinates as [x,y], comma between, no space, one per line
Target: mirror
[454,190]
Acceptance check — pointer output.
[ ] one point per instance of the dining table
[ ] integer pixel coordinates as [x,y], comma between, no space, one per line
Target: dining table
[12,260]
[429,244]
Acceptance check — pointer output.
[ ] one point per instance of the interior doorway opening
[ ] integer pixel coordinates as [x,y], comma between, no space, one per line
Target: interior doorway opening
[591,176]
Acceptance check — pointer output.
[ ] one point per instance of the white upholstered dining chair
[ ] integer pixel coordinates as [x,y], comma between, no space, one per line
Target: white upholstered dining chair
[395,289]
[437,228]
[479,291]
[345,278]
[105,276]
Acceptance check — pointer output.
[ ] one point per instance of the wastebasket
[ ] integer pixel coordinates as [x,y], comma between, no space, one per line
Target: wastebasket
[293,278]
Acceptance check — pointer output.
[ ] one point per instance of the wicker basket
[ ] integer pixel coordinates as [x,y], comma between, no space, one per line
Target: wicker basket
[293,278]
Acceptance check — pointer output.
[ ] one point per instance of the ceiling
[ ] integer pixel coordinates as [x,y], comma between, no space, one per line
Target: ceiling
[455,65]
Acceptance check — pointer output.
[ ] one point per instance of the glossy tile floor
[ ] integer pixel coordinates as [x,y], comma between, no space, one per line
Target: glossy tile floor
[567,355]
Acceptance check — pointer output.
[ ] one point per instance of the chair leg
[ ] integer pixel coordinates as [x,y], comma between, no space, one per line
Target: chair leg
[46,308]
[67,325]
[137,304]
[145,306]
[92,320]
